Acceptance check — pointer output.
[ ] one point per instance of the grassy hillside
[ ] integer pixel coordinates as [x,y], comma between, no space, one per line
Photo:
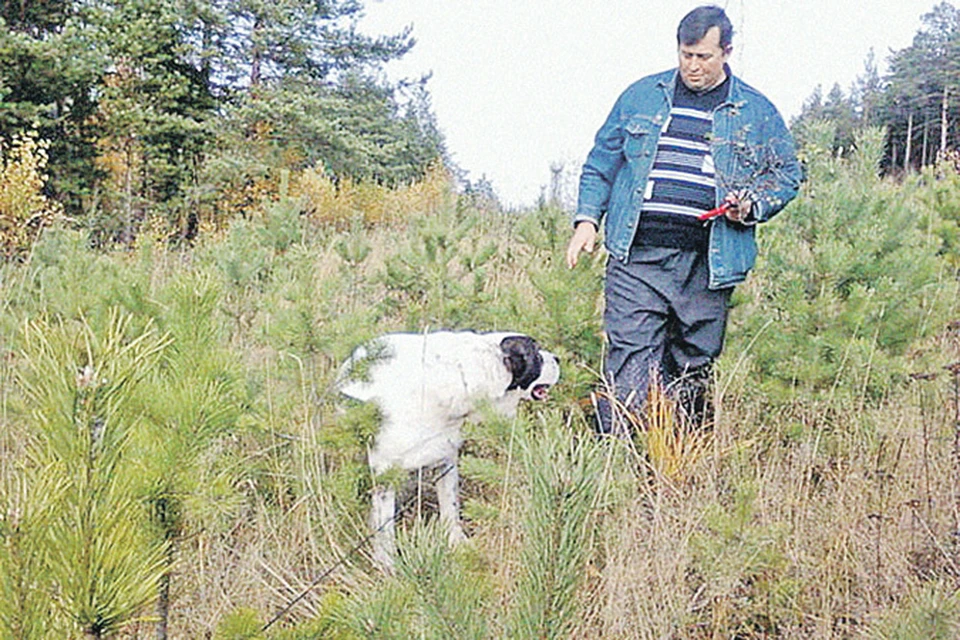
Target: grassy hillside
[171,449]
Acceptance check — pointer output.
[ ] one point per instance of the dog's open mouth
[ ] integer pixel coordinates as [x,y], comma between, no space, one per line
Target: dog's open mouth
[540,392]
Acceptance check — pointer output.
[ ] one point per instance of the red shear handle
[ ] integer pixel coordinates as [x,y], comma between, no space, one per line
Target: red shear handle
[713,213]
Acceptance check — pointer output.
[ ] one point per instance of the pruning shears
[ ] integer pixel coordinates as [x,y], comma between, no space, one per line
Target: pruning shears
[715,212]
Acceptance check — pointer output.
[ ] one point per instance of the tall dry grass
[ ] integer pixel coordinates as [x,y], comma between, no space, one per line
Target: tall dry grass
[829,531]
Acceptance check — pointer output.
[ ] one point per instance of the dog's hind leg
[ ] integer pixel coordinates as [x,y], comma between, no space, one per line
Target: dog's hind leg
[448,495]
[382,520]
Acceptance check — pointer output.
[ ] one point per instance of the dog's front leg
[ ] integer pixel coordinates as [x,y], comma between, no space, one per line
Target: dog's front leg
[382,520]
[448,495]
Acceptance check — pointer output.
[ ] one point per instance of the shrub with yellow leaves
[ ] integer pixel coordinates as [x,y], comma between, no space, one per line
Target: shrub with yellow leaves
[341,203]
[24,208]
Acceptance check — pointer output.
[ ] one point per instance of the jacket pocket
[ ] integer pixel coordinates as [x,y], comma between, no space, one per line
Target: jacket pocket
[637,136]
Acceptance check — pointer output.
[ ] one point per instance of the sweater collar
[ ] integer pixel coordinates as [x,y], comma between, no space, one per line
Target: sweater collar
[668,81]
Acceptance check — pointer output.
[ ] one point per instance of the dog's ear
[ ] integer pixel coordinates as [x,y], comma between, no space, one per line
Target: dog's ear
[521,357]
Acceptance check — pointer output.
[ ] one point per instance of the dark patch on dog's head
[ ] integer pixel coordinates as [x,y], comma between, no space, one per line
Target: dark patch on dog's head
[521,356]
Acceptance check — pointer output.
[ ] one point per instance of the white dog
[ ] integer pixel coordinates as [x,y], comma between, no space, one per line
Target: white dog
[426,385]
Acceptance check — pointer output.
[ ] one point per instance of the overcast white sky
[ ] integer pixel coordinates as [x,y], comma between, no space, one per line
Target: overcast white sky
[520,84]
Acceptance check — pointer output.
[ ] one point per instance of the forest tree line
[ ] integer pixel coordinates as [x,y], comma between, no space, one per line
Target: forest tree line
[917,100]
[186,111]
[173,107]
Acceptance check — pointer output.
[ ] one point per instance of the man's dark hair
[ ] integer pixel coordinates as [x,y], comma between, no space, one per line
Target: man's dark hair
[695,25]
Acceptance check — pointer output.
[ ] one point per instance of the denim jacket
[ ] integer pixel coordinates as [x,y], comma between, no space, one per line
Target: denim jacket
[751,147]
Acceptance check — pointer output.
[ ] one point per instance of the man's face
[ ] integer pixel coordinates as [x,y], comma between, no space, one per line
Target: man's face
[701,63]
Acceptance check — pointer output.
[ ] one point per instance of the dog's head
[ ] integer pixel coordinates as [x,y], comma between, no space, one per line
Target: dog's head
[534,370]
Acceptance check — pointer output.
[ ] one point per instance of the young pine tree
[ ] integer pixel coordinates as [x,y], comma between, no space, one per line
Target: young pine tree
[100,564]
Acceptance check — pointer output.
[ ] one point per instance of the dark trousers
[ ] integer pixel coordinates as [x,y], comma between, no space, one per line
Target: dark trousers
[660,316]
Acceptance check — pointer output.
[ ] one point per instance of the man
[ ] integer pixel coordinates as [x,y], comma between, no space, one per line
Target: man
[676,145]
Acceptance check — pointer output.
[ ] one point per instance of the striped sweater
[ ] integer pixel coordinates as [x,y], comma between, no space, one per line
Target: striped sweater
[682,182]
